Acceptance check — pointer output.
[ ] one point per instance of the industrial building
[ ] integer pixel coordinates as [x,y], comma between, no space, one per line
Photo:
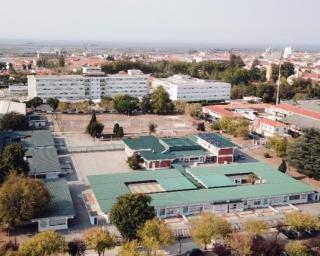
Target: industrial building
[193,190]
[92,85]
[186,88]
[160,153]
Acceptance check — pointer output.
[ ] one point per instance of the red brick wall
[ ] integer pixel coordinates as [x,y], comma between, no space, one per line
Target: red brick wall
[222,159]
[165,164]
[226,151]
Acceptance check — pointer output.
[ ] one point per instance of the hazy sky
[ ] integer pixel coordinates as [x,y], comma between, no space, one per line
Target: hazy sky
[169,21]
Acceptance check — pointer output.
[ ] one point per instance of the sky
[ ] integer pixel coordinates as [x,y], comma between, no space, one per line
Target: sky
[163,21]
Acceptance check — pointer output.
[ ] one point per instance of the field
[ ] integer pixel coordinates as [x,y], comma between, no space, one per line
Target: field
[167,125]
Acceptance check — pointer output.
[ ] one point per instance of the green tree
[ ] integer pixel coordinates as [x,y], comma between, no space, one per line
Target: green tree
[120,132]
[12,159]
[44,244]
[63,106]
[125,104]
[33,103]
[145,104]
[21,199]
[287,69]
[116,128]
[94,128]
[61,61]
[297,248]
[161,102]
[283,166]
[154,233]
[53,102]
[99,239]
[130,212]
[236,61]
[152,127]
[209,226]
[134,161]
[14,121]
[303,153]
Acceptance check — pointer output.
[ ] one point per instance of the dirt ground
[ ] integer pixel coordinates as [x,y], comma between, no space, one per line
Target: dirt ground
[167,125]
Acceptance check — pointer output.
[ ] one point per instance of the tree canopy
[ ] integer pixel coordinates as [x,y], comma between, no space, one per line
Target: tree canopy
[21,199]
[94,127]
[302,221]
[99,239]
[130,212]
[44,244]
[209,226]
[303,153]
[35,102]
[14,121]
[161,102]
[154,233]
[53,102]
[12,159]
[125,104]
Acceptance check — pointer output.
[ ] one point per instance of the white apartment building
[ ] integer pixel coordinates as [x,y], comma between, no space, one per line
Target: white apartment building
[88,86]
[133,83]
[186,88]
[64,87]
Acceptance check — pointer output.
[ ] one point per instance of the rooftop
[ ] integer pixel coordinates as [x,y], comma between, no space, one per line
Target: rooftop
[61,202]
[7,106]
[298,110]
[217,140]
[272,122]
[179,189]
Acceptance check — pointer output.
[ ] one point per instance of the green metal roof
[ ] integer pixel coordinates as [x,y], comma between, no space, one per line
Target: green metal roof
[190,153]
[107,187]
[61,202]
[180,144]
[217,140]
[144,143]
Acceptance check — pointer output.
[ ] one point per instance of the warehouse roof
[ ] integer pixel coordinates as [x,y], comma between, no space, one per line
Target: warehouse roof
[61,202]
[180,190]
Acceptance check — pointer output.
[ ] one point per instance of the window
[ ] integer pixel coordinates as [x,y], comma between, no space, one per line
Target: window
[162,212]
[257,202]
[185,209]
[265,201]
[57,222]
[294,197]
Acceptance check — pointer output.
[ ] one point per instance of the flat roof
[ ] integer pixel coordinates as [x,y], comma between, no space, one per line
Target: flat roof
[144,142]
[179,189]
[107,187]
[181,143]
[7,106]
[217,140]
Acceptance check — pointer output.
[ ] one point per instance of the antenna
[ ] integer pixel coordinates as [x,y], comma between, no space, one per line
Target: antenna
[279,80]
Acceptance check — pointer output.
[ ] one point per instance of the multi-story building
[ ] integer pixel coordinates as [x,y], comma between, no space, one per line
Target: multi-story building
[133,83]
[65,87]
[92,85]
[186,88]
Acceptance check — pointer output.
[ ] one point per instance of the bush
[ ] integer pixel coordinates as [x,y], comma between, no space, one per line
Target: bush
[266,155]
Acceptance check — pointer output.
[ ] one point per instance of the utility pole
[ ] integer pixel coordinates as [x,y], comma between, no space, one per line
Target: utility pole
[279,81]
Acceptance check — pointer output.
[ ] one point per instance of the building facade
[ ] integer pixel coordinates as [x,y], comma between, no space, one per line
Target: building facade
[89,86]
[186,88]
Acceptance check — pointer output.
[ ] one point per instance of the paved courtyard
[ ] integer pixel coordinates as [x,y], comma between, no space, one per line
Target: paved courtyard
[93,163]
